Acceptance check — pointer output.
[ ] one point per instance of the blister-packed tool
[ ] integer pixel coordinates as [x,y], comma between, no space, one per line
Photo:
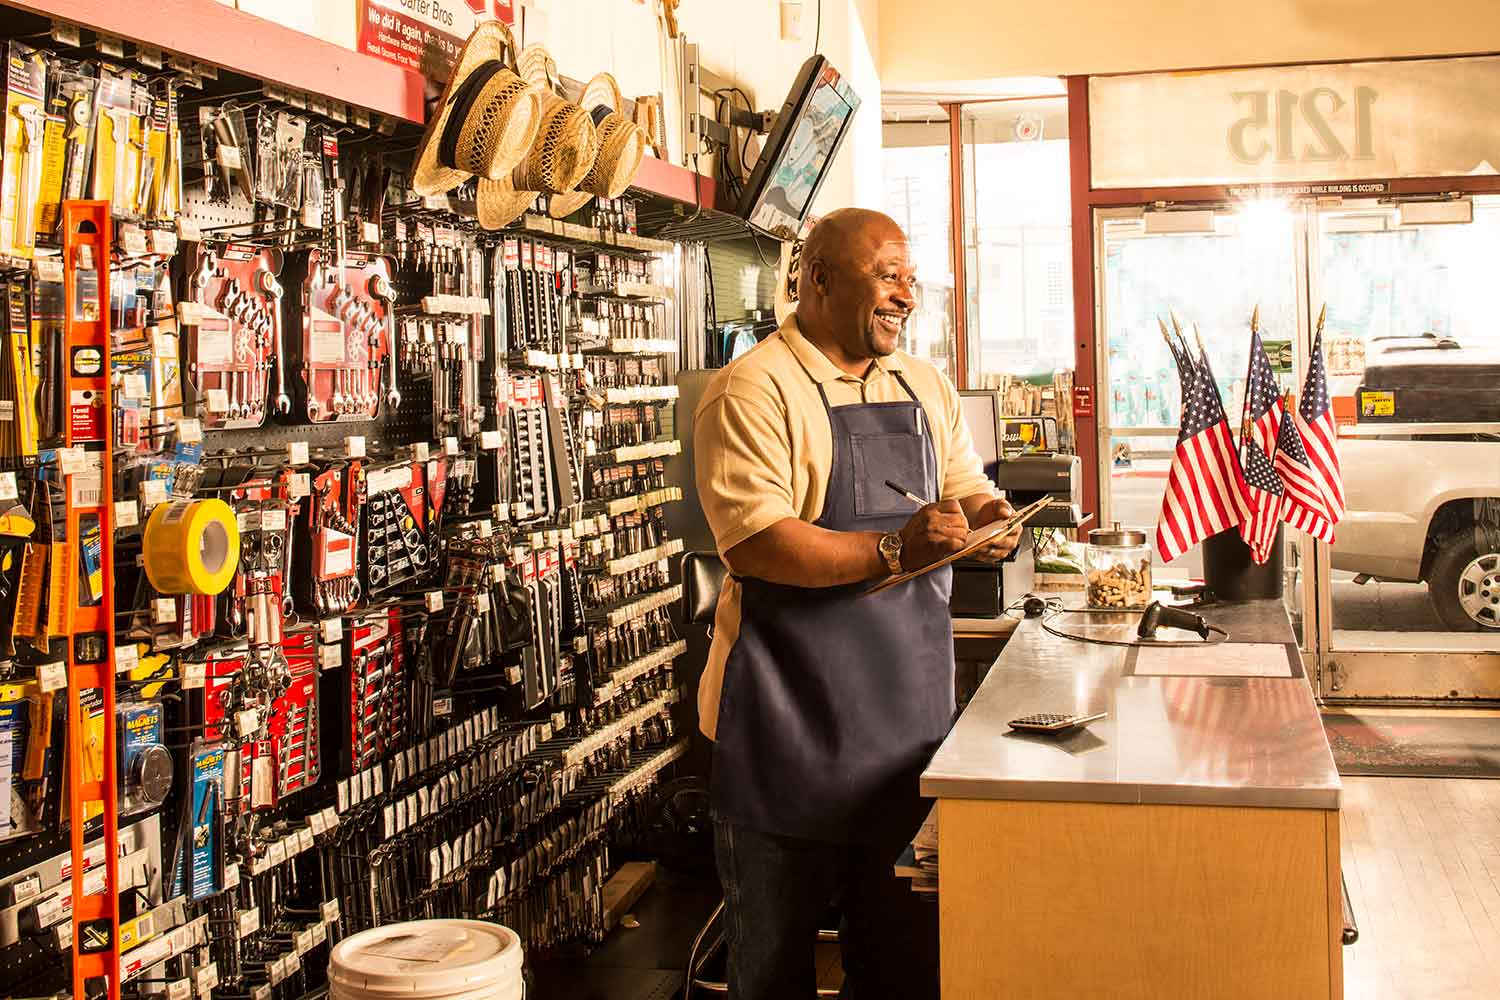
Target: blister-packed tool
[232,333]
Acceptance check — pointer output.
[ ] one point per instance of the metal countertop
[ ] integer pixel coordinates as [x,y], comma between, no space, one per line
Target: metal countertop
[1182,739]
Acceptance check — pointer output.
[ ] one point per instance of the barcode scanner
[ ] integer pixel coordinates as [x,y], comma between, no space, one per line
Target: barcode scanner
[1157,614]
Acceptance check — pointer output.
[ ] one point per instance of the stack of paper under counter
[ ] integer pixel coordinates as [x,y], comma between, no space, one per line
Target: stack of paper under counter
[919,862]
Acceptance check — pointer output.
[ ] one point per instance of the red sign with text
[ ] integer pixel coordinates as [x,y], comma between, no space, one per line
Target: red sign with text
[424,35]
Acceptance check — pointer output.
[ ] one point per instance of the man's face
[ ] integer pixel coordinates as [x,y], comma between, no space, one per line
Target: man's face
[870,296]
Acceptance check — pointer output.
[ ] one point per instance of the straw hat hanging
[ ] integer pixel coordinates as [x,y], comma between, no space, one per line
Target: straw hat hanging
[559,158]
[487,118]
[622,144]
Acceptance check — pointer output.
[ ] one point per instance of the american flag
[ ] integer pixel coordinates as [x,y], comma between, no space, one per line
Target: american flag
[1302,505]
[1264,487]
[1319,433]
[1205,487]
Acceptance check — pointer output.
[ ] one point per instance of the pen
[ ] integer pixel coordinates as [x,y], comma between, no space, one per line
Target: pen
[908,494]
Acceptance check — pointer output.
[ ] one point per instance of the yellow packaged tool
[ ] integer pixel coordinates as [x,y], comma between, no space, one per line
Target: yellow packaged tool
[191,547]
[25,118]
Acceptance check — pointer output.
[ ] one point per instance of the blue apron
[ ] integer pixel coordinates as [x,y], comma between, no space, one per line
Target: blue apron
[833,702]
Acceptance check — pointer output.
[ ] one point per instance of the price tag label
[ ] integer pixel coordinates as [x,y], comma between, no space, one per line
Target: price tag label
[247,722]
[193,675]
[303,942]
[319,824]
[229,157]
[127,514]
[8,486]
[249,922]
[442,707]
[329,911]
[190,430]
[369,232]
[319,934]
[298,485]
[332,816]
[207,977]
[133,386]
[482,601]
[354,446]
[296,453]
[70,460]
[261,992]
[126,658]
[164,610]
[218,401]
[179,989]
[420,451]
[333,629]
[486,529]
[52,676]
[450,446]
[231,875]
[153,492]
[434,600]
[489,440]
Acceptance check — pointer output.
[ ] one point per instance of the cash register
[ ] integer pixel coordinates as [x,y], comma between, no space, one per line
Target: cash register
[1019,458]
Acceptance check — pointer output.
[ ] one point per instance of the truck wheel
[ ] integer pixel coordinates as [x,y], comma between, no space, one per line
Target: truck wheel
[1464,584]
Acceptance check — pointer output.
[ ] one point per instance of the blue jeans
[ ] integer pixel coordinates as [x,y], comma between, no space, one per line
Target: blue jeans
[776,894]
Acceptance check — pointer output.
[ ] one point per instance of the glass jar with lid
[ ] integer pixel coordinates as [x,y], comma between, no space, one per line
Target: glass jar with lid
[1117,567]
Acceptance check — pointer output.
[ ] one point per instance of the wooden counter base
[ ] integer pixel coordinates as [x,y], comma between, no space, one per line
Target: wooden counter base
[1060,899]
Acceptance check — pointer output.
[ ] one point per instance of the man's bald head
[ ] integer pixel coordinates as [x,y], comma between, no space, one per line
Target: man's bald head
[849,234]
[856,286]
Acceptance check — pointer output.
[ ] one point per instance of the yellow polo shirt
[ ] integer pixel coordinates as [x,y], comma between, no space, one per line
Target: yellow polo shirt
[763,450]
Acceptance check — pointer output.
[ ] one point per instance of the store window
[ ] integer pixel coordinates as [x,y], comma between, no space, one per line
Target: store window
[1017,219]
[1414,360]
[917,185]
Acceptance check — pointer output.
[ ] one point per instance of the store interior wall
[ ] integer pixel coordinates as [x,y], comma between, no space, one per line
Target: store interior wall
[740,42]
[925,42]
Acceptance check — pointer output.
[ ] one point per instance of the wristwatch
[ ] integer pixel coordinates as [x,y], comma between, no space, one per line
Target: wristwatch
[890,551]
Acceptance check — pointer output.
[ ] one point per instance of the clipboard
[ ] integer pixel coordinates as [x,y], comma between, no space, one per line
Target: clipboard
[977,540]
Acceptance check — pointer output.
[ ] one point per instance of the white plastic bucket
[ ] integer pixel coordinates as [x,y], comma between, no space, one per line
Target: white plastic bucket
[429,960]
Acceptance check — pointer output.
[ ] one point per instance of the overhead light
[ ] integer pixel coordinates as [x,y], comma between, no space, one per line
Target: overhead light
[1431,213]
[1200,220]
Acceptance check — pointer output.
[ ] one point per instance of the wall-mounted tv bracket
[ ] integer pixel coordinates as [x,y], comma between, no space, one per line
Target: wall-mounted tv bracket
[698,129]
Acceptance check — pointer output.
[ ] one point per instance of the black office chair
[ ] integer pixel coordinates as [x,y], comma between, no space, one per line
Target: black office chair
[703,576]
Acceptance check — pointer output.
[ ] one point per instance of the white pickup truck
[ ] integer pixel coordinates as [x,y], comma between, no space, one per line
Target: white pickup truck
[1422,476]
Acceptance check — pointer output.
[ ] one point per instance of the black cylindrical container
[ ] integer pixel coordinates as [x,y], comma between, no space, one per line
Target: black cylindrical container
[1231,574]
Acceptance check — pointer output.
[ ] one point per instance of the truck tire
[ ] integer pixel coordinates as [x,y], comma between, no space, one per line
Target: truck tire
[1464,584]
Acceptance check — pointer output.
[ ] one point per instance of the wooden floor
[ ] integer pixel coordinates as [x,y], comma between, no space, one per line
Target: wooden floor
[1422,860]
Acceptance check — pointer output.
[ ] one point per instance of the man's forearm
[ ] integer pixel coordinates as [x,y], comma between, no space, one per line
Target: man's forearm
[799,554]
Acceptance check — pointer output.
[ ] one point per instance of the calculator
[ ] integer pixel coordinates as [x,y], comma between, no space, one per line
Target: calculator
[1046,722]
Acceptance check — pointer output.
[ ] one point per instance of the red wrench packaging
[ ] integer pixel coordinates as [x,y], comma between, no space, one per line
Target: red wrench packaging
[325,558]
[293,744]
[376,691]
[231,315]
[341,353]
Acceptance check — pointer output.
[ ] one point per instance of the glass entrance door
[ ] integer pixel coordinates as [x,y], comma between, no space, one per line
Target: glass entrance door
[1411,606]
[1209,268]
[1406,603]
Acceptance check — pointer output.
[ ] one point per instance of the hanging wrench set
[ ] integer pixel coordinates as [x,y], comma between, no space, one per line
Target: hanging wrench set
[371,500]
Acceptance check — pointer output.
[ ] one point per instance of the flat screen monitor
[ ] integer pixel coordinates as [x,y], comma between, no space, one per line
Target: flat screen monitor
[982,415]
[794,161]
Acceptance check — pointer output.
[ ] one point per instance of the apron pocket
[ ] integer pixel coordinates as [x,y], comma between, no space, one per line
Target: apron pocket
[901,458]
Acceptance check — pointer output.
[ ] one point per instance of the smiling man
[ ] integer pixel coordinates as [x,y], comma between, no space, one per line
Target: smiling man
[824,703]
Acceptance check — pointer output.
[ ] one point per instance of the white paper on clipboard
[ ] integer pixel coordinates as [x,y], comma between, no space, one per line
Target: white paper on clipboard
[1219,659]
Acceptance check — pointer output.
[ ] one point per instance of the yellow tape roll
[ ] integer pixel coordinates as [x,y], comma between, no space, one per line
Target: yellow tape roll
[191,547]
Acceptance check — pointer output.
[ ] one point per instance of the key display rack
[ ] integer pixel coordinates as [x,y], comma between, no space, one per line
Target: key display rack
[334,576]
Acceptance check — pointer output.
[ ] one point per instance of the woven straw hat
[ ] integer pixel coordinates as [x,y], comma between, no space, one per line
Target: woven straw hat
[559,157]
[622,144]
[486,120]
